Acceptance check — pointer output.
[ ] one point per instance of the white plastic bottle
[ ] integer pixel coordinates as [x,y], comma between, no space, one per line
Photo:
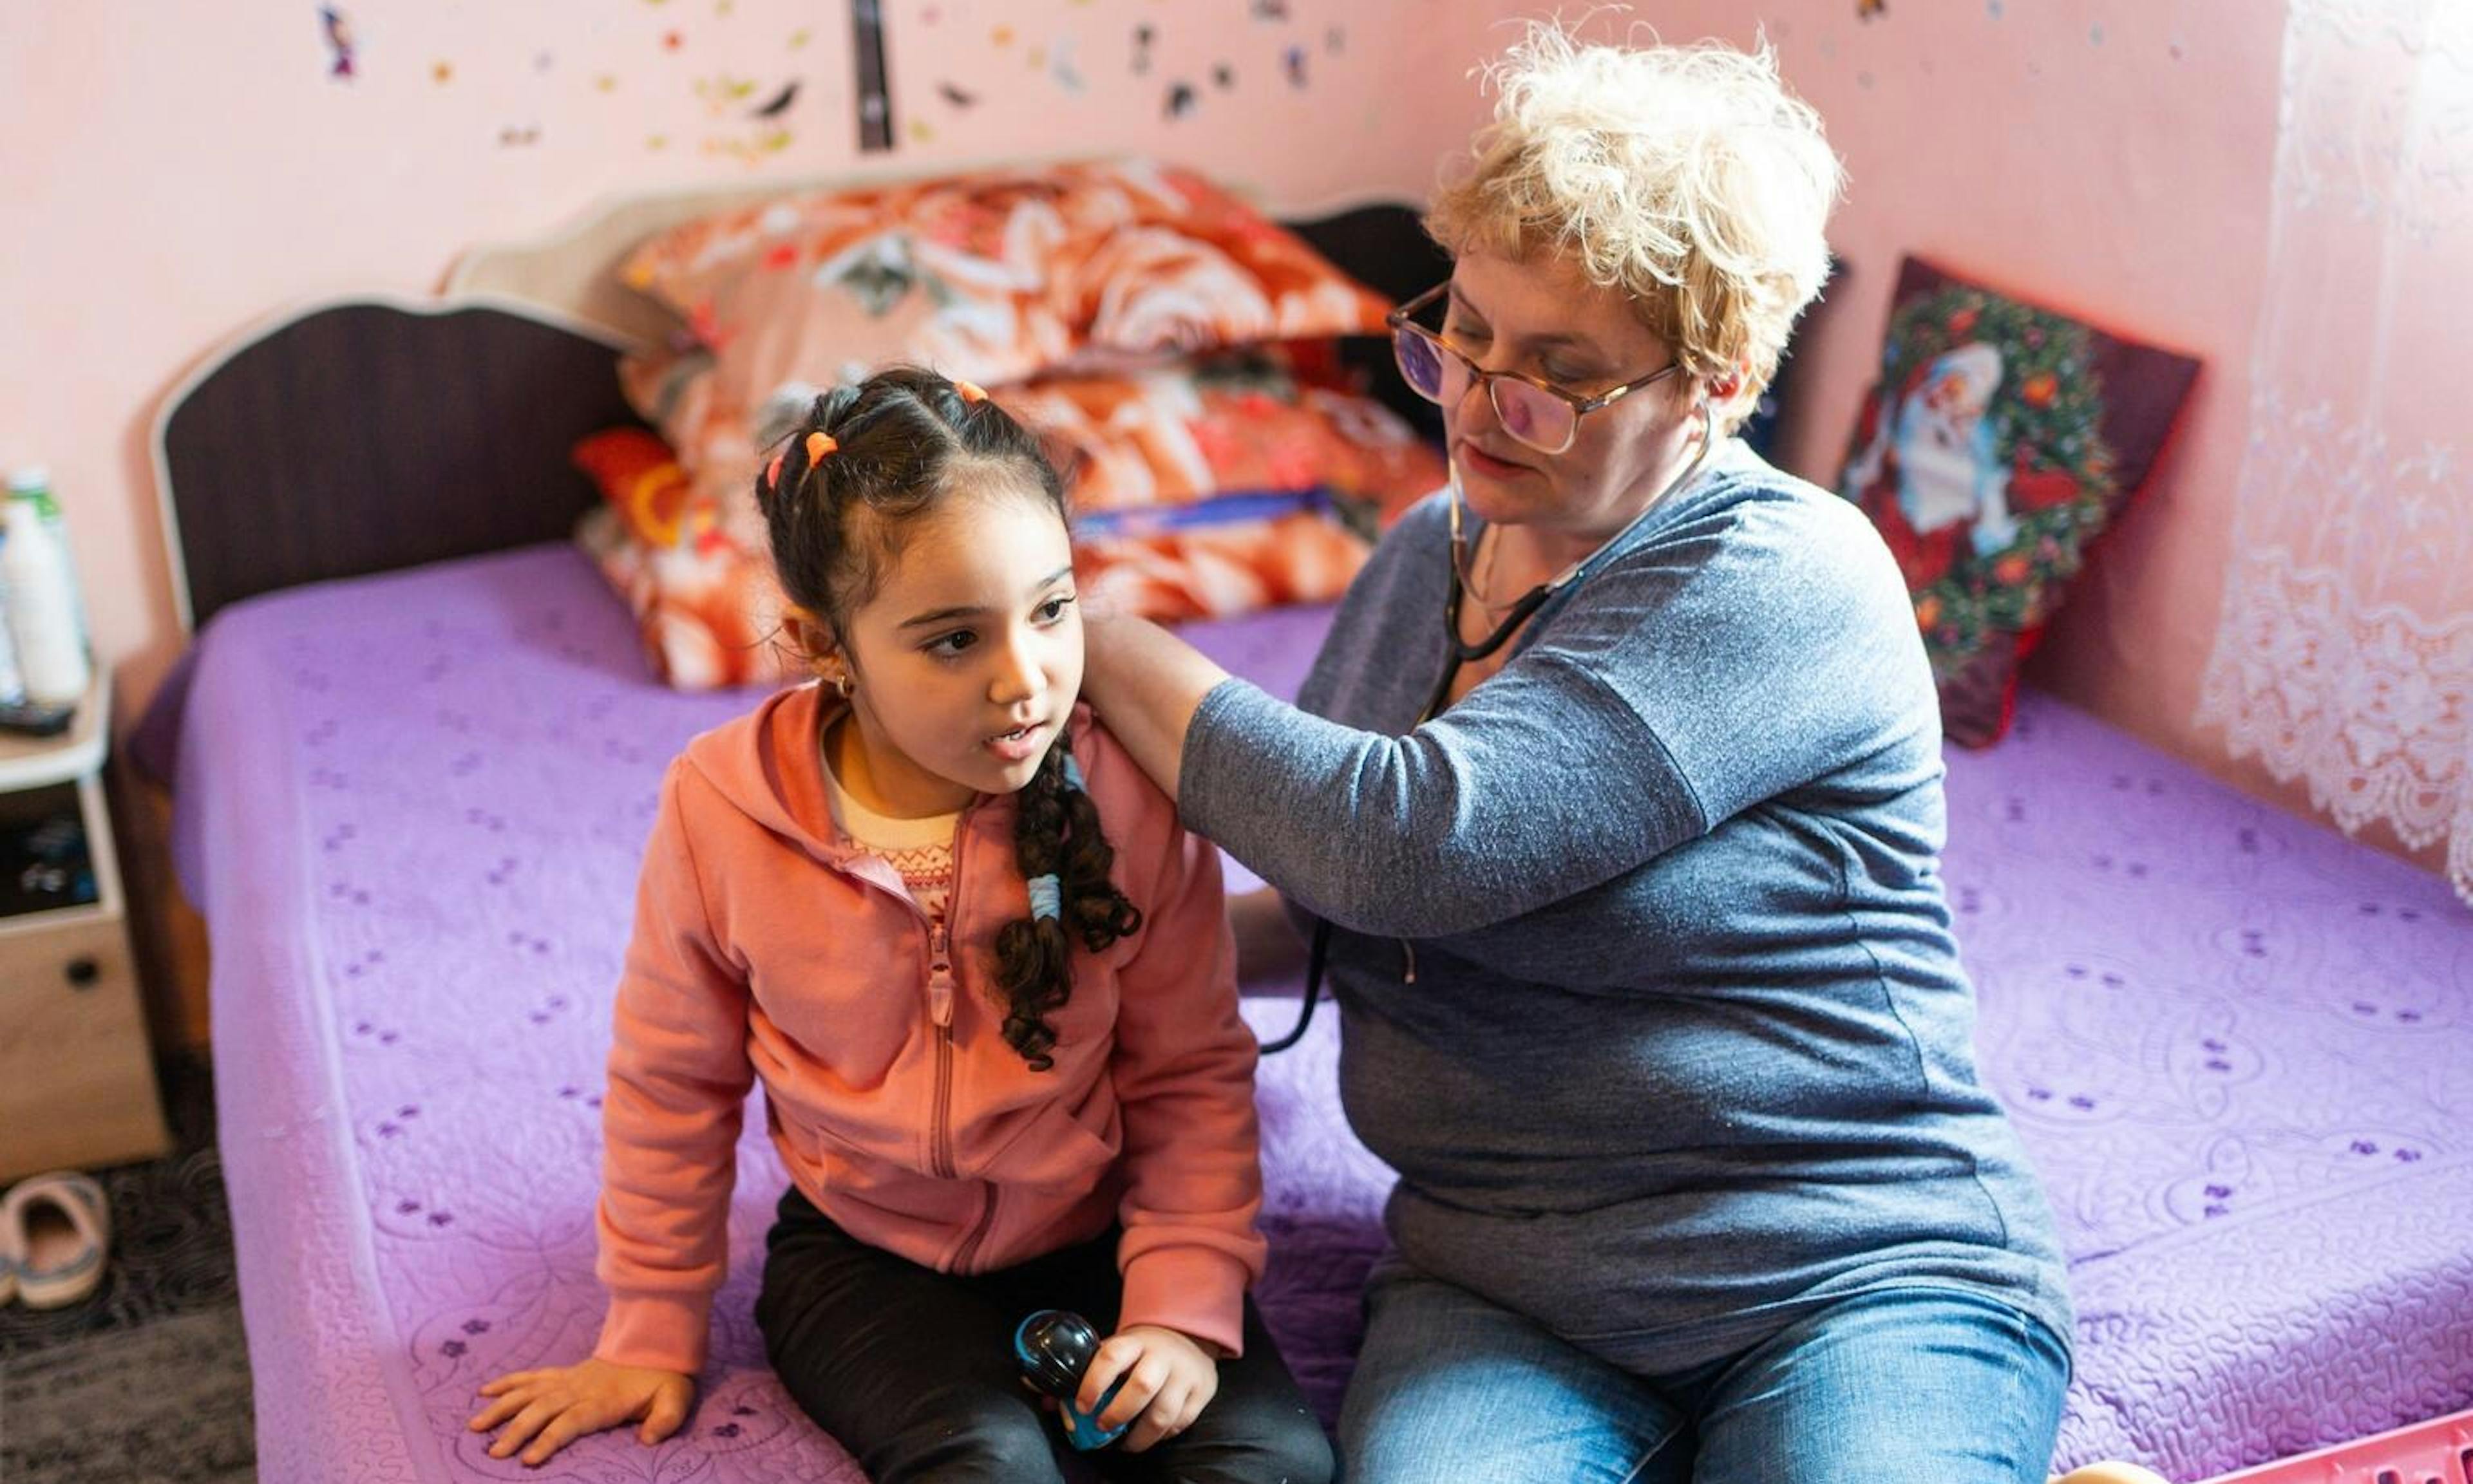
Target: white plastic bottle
[34,482]
[43,608]
[12,684]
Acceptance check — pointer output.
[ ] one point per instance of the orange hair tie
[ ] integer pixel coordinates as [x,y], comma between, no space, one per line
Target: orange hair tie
[820,445]
[970,390]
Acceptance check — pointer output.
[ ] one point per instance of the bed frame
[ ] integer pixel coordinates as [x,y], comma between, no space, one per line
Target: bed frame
[361,434]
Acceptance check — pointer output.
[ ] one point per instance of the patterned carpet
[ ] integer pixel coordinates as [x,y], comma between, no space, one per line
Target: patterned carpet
[149,1378]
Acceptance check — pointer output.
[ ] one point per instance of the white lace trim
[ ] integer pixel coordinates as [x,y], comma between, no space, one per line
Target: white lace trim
[2369,703]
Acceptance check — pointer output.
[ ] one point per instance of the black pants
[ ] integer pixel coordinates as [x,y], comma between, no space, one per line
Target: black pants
[912,1370]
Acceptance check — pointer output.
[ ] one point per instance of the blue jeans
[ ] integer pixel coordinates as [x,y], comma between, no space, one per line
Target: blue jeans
[1907,1386]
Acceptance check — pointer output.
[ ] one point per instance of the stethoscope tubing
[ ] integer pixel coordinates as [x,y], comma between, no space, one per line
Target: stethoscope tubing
[1462,653]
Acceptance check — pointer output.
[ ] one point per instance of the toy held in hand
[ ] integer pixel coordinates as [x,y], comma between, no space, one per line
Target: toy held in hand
[1054,1348]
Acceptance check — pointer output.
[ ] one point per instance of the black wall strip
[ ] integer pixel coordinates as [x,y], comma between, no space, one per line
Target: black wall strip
[875,96]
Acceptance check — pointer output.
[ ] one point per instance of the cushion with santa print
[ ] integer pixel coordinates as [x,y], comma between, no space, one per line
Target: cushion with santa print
[2001,440]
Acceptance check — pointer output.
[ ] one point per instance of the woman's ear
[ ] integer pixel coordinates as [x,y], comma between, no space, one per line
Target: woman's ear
[1728,395]
[1728,384]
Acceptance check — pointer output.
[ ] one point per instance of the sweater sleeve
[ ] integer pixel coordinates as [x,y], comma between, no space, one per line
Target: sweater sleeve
[1184,1072]
[1729,661]
[679,1078]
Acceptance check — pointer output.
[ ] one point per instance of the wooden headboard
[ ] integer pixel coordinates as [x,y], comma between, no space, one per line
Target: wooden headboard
[367,435]
[359,436]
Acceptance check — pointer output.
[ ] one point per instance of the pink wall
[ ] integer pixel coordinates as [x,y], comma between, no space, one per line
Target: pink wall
[176,173]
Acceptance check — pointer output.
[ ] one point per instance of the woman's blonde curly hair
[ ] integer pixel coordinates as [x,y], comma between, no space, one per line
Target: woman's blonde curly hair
[1687,177]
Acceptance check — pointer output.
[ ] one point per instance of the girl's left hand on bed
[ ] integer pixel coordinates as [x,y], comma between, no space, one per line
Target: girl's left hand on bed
[554,1407]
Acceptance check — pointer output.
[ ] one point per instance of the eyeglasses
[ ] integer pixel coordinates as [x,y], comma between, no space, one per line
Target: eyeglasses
[1537,414]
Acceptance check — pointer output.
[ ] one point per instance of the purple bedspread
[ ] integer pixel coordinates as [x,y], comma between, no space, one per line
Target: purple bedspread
[411,808]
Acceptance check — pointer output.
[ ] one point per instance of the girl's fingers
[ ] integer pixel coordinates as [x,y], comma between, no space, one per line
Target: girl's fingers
[1148,1428]
[511,1379]
[1142,1384]
[669,1410]
[1130,1400]
[1114,1357]
[500,1410]
[1157,1422]
[519,1432]
[564,1429]
[1173,1409]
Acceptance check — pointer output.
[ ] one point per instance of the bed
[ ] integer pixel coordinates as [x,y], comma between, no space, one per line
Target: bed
[416,748]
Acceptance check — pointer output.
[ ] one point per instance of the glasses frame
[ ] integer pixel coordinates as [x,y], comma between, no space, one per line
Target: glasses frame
[1402,322]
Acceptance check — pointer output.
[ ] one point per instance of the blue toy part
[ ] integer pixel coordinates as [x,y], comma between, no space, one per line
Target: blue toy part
[1082,1429]
[1054,1349]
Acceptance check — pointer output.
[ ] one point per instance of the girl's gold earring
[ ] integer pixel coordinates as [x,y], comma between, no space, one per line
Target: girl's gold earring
[842,686]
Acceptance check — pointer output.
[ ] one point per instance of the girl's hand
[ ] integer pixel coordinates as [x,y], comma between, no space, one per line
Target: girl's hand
[564,1402]
[1169,1380]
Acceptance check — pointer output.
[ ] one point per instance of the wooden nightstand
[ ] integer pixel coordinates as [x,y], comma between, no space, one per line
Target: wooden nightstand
[76,1081]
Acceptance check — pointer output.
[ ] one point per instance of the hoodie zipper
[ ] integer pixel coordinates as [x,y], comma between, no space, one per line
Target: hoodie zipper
[941,989]
[940,1009]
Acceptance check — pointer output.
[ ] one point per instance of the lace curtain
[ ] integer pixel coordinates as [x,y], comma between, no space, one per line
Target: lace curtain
[2344,652]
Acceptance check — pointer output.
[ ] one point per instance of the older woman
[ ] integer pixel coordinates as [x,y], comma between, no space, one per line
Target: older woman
[1617,790]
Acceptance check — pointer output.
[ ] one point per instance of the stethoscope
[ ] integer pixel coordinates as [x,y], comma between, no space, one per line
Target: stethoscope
[1463,652]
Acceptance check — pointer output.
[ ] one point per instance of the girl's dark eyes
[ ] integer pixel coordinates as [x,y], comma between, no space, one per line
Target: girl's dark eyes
[946,646]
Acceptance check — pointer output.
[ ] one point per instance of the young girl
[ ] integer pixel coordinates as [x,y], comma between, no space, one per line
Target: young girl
[1000,1049]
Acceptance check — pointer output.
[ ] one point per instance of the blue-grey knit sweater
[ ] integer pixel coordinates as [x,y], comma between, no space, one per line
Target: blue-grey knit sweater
[1644,971]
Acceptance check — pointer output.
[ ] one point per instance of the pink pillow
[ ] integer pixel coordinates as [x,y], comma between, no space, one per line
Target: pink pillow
[1220,571]
[992,276]
[1264,421]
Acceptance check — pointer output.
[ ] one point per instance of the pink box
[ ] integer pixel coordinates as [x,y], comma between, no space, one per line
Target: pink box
[2437,1451]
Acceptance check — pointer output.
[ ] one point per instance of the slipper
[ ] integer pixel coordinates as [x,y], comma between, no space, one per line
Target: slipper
[58,1228]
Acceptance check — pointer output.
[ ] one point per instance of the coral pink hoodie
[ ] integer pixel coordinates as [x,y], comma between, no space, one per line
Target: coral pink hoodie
[766,943]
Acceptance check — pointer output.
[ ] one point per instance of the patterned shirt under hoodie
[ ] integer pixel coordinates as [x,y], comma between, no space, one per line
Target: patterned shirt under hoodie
[921,849]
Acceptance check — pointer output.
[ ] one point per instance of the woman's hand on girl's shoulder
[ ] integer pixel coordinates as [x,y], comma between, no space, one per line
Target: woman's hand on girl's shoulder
[554,1407]
[1170,1379]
